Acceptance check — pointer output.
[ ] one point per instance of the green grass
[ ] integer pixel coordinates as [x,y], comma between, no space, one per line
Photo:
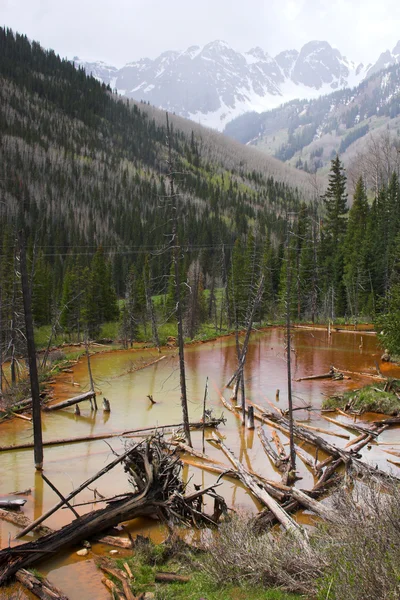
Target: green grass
[368,399]
[42,336]
[201,587]
[150,558]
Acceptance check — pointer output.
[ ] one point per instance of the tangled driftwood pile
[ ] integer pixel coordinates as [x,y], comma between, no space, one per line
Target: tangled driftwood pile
[155,473]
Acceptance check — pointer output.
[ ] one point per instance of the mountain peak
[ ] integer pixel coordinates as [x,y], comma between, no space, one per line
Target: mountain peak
[215,83]
[396,49]
[219,45]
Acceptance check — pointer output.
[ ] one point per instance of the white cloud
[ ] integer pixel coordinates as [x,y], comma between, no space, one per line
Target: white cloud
[122,30]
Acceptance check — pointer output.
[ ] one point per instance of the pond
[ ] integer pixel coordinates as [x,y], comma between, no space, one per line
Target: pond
[127,390]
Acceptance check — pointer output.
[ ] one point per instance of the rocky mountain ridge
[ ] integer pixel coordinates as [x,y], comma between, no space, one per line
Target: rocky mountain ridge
[214,84]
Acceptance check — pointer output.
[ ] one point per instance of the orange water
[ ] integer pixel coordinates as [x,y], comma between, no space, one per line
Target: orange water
[67,466]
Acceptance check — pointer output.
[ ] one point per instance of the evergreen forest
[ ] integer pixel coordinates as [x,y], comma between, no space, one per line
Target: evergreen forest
[85,175]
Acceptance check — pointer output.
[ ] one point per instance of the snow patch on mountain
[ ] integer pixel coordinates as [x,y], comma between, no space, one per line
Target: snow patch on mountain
[214,83]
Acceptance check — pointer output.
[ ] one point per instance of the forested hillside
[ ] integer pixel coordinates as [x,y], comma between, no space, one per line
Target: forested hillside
[86,176]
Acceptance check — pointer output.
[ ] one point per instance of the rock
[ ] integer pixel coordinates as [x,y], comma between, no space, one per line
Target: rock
[86,544]
[83,552]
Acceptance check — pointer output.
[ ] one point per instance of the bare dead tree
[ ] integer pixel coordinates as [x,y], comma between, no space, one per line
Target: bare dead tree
[33,373]
[176,251]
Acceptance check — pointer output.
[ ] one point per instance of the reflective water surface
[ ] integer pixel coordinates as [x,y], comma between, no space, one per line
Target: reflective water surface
[69,465]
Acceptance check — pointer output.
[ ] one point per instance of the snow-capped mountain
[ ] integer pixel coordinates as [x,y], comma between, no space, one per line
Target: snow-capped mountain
[386,59]
[214,84]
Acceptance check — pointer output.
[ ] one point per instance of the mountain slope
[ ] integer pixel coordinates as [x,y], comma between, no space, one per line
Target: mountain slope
[215,83]
[81,167]
[308,133]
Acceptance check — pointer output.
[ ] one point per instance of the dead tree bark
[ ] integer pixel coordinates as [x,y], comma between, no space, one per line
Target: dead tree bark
[90,374]
[176,251]
[288,349]
[151,313]
[33,373]
[243,354]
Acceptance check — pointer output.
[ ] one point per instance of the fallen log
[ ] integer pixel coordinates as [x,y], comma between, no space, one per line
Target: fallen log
[160,487]
[171,578]
[66,403]
[23,417]
[21,520]
[265,498]
[218,467]
[328,375]
[42,588]
[279,446]
[270,452]
[306,460]
[322,430]
[212,423]
[134,369]
[301,433]
[326,513]
[351,426]
[110,585]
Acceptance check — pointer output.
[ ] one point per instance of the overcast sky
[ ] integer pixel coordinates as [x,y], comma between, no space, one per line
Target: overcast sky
[120,31]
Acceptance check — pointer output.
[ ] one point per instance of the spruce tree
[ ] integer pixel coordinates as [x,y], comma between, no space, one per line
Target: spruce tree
[355,270]
[333,231]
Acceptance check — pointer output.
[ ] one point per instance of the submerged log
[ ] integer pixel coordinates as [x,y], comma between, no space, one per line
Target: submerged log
[212,423]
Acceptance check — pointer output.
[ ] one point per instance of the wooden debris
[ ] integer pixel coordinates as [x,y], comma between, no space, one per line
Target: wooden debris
[326,513]
[106,567]
[164,577]
[265,498]
[333,373]
[272,455]
[42,588]
[212,423]
[66,403]
[128,570]
[160,488]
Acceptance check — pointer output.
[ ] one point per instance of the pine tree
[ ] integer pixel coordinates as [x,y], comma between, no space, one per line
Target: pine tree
[355,271]
[333,231]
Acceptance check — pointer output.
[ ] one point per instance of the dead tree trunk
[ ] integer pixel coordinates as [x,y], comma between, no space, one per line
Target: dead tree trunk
[90,373]
[176,253]
[243,354]
[151,313]
[33,373]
